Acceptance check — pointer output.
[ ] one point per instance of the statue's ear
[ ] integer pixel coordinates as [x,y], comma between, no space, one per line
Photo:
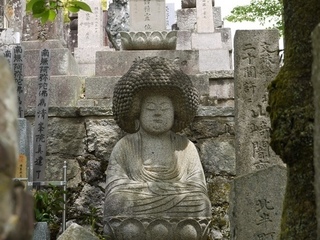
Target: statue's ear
[136,125]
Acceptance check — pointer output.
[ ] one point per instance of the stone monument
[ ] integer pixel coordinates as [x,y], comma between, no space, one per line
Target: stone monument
[148,27]
[156,187]
[258,190]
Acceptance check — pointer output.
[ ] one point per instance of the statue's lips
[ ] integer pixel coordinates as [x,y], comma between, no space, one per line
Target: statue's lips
[158,121]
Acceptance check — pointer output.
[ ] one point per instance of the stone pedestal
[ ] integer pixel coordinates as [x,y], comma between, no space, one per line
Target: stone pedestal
[160,229]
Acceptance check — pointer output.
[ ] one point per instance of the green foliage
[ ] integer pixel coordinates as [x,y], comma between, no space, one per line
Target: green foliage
[48,204]
[47,10]
[265,11]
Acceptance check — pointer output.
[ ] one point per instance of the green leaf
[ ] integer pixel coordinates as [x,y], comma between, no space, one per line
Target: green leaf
[82,5]
[73,9]
[30,5]
[52,15]
[39,7]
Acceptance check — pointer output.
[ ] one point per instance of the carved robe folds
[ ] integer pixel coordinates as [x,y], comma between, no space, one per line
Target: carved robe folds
[143,201]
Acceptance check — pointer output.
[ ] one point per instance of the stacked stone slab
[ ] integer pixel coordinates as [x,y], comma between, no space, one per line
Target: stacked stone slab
[316,85]
[201,29]
[258,190]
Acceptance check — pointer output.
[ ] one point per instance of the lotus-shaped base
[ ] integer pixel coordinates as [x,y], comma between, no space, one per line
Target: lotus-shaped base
[150,229]
[157,40]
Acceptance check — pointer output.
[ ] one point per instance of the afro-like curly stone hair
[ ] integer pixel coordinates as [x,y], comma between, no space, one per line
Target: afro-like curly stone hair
[154,75]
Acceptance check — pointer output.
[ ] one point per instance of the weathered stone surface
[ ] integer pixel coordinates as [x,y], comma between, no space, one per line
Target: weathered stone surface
[147,16]
[117,63]
[218,156]
[256,204]
[212,128]
[215,111]
[54,170]
[221,88]
[183,40]
[118,21]
[204,15]
[33,29]
[63,90]
[316,87]
[90,196]
[25,138]
[226,37]
[256,65]
[206,41]
[186,19]
[62,62]
[101,137]
[37,44]
[76,232]
[90,29]
[100,87]
[41,231]
[214,60]
[66,136]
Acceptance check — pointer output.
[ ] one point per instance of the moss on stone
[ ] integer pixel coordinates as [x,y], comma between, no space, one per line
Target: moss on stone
[292,119]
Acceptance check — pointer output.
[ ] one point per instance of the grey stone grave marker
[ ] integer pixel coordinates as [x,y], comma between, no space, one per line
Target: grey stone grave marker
[204,16]
[316,85]
[256,64]
[17,67]
[255,212]
[90,29]
[147,15]
[41,231]
[41,117]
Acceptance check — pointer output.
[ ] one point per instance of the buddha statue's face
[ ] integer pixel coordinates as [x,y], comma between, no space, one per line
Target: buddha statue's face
[157,114]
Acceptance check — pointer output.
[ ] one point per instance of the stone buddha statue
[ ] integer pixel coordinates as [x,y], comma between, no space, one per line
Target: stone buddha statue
[156,187]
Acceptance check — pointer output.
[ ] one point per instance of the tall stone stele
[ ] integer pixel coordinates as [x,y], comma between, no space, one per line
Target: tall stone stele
[156,187]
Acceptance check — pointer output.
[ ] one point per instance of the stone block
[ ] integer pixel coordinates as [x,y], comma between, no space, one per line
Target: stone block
[226,37]
[100,87]
[256,204]
[117,63]
[62,62]
[76,232]
[206,41]
[50,43]
[65,136]
[218,156]
[87,69]
[83,55]
[217,19]
[41,231]
[187,19]
[183,40]
[221,88]
[201,83]
[213,60]
[63,90]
